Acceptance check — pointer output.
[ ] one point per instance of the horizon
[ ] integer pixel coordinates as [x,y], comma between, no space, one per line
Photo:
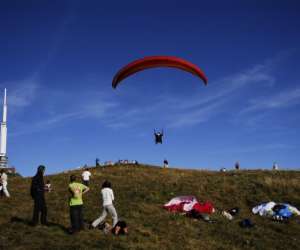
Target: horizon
[60,59]
[227,170]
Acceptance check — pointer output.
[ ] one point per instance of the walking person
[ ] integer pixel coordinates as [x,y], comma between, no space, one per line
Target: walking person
[108,207]
[37,192]
[3,180]
[76,204]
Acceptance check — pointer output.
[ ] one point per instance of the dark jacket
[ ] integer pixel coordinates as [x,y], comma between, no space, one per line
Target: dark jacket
[37,189]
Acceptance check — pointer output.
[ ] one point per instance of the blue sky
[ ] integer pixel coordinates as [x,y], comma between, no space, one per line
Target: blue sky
[58,59]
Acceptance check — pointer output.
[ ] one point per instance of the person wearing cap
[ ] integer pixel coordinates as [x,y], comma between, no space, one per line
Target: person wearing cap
[76,190]
[37,192]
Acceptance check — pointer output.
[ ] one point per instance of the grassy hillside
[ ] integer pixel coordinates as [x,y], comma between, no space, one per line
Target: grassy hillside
[140,191]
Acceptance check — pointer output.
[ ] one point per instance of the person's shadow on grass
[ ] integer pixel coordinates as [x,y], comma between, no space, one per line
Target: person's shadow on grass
[27,222]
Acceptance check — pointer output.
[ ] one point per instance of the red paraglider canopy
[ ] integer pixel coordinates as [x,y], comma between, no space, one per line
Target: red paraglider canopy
[157,61]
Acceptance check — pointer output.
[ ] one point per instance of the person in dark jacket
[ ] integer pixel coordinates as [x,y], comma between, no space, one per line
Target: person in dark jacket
[37,192]
[158,136]
[166,163]
[237,165]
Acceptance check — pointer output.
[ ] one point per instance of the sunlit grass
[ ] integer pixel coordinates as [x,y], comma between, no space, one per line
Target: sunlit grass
[140,192]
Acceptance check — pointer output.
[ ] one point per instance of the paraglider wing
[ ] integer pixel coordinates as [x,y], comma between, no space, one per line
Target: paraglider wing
[154,62]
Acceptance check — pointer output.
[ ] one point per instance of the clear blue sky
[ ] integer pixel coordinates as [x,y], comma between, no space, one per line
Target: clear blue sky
[58,59]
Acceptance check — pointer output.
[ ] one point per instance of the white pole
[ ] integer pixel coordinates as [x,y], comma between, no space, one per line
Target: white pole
[3,141]
[4,107]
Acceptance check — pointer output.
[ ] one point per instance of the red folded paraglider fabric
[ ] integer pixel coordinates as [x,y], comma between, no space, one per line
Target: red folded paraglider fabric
[184,204]
[206,207]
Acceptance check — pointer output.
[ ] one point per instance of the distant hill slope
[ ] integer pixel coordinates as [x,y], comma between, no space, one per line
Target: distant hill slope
[140,192]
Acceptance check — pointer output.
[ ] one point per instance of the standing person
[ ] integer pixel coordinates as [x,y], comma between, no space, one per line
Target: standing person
[37,192]
[86,175]
[237,165]
[166,163]
[275,166]
[76,204]
[3,180]
[108,207]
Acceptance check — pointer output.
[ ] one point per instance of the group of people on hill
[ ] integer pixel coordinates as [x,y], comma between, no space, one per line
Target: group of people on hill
[237,166]
[123,162]
[77,190]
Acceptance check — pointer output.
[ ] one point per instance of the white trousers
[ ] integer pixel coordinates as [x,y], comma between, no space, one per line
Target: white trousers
[107,209]
[4,188]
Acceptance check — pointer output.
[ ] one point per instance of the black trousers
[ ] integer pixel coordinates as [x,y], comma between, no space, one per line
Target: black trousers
[86,183]
[76,217]
[39,207]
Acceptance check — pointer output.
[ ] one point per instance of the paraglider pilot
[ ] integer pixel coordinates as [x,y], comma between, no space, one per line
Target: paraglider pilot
[158,136]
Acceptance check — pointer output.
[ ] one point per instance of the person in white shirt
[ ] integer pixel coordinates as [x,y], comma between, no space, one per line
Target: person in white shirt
[3,180]
[86,175]
[108,207]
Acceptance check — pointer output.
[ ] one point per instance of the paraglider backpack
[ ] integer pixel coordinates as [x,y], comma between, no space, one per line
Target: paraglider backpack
[246,223]
[283,211]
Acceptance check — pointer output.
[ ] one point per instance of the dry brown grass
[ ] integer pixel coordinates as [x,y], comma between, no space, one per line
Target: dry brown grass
[140,192]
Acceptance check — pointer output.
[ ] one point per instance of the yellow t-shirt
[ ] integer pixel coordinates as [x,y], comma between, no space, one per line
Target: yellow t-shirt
[76,189]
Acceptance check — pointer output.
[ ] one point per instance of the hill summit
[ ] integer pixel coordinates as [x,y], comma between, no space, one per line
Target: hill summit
[140,191]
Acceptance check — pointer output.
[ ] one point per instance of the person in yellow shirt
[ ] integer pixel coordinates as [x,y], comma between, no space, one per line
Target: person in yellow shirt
[77,190]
